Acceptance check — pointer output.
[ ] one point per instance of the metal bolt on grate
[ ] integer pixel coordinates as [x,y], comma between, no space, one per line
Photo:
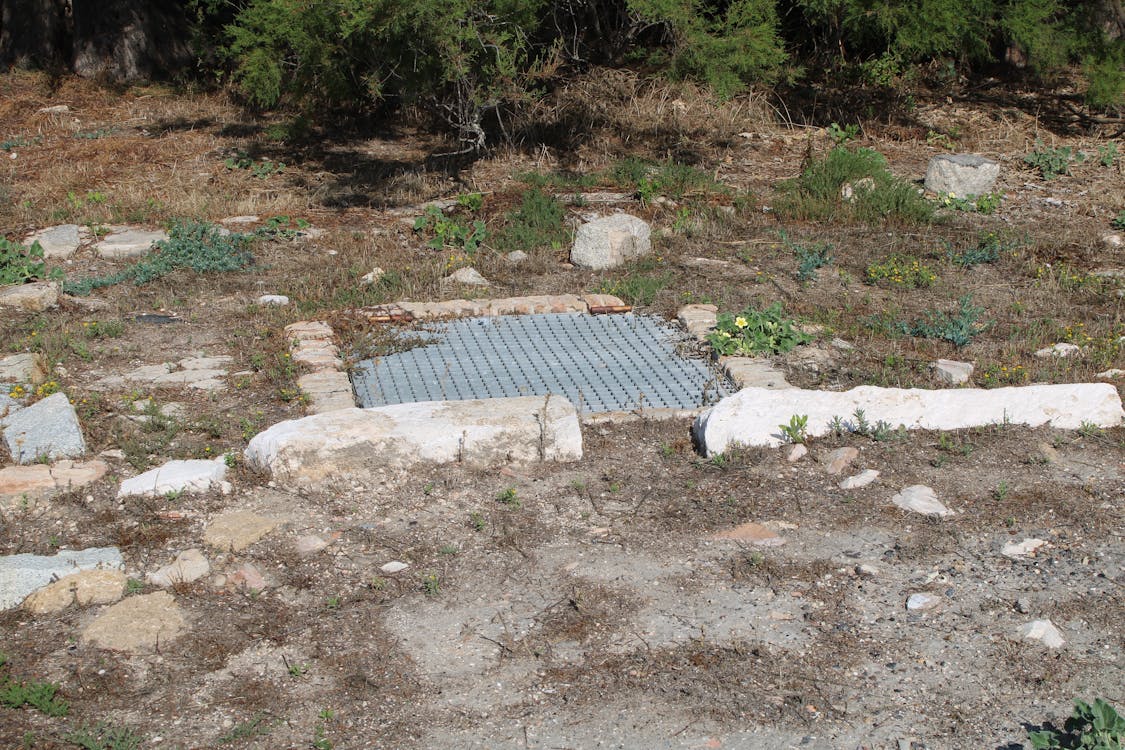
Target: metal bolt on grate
[600,362]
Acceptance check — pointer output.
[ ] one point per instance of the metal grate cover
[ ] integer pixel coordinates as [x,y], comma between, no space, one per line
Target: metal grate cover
[600,362]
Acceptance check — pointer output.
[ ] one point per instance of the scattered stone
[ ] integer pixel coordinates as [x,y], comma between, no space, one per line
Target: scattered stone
[1111,374]
[201,373]
[23,368]
[234,531]
[699,320]
[1023,605]
[247,576]
[862,479]
[836,461]
[839,343]
[83,588]
[54,109]
[1047,453]
[41,480]
[849,190]
[137,624]
[248,219]
[599,197]
[795,452]
[517,256]
[751,416]
[952,372]
[922,602]
[1043,631]
[610,241]
[468,276]
[921,499]
[393,567]
[128,242]
[355,442]
[1112,240]
[176,477]
[753,533]
[753,372]
[47,429]
[1059,350]
[278,300]
[373,277]
[309,545]
[35,297]
[1026,548]
[190,565]
[21,575]
[867,570]
[57,242]
[961,175]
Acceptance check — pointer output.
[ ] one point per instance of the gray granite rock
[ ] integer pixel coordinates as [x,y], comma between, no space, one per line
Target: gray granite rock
[21,575]
[23,368]
[57,242]
[128,242]
[961,175]
[46,428]
[609,241]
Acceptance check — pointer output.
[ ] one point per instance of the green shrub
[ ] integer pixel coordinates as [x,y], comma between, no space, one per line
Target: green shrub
[904,271]
[20,264]
[876,195]
[1118,221]
[756,331]
[1090,727]
[809,257]
[455,232]
[1052,162]
[538,222]
[196,245]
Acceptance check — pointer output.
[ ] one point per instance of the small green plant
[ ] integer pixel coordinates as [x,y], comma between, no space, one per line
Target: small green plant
[470,201]
[797,429]
[477,521]
[840,136]
[38,695]
[195,245]
[987,250]
[19,264]
[1090,430]
[332,603]
[255,726]
[431,585]
[1118,221]
[837,427]
[756,332]
[982,204]
[508,497]
[1090,727]
[450,231]
[860,425]
[134,586]
[260,169]
[104,736]
[958,327]
[882,431]
[903,271]
[1107,154]
[1052,162]
[538,222]
[809,257]
[1001,492]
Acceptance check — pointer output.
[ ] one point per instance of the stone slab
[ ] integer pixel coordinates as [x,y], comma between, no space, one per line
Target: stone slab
[961,175]
[57,242]
[234,531]
[128,242]
[40,480]
[84,588]
[137,624]
[752,416]
[22,574]
[48,428]
[35,297]
[482,432]
[176,476]
[23,368]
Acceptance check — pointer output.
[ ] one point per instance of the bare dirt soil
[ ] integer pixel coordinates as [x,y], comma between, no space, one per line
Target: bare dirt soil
[590,604]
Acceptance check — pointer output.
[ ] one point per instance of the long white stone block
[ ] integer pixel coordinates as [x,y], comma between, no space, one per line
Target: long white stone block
[752,416]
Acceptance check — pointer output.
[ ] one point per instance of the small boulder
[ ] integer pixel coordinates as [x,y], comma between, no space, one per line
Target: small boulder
[919,498]
[1043,631]
[961,175]
[517,256]
[190,565]
[836,461]
[84,588]
[951,372]
[275,300]
[46,429]
[922,602]
[23,368]
[1061,350]
[372,277]
[248,577]
[57,242]
[795,452]
[610,241]
[35,297]
[175,477]
[236,530]
[1025,548]
[394,566]
[137,624]
[468,276]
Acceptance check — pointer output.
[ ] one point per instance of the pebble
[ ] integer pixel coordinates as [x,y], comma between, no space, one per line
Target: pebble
[1043,631]
[754,533]
[796,452]
[1025,548]
[372,277]
[394,567]
[861,479]
[920,499]
[309,544]
[839,459]
[922,602]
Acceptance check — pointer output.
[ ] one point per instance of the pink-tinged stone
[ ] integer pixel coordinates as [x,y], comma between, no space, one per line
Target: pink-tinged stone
[753,533]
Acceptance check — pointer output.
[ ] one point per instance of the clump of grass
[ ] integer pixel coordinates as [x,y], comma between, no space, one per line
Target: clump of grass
[538,222]
[987,250]
[104,736]
[958,327]
[191,244]
[876,196]
[42,696]
[640,285]
[669,179]
[904,271]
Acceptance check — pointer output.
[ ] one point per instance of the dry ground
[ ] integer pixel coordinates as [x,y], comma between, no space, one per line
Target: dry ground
[598,611]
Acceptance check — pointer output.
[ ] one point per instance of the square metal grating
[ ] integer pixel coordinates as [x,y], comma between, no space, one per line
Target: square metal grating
[599,362]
